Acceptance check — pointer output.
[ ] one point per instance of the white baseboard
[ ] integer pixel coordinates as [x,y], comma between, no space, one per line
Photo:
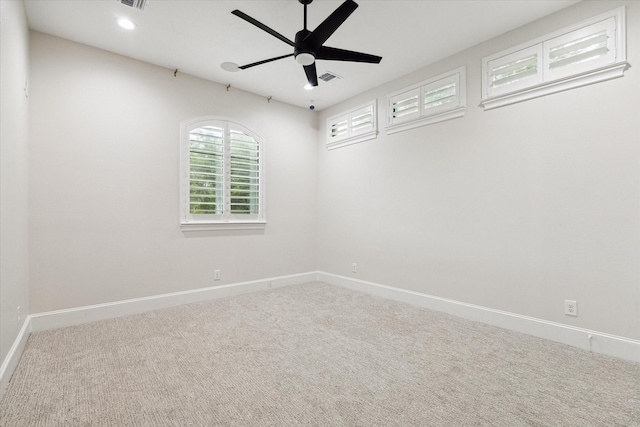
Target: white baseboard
[597,342]
[13,357]
[92,313]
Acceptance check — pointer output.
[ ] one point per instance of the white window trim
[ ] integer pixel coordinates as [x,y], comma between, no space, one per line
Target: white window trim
[425,118]
[608,72]
[230,224]
[357,138]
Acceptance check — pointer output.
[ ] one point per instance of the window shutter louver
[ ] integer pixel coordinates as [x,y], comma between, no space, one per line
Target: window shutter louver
[206,170]
[361,121]
[578,51]
[441,95]
[515,71]
[244,173]
[437,97]
[339,128]
[581,50]
[405,106]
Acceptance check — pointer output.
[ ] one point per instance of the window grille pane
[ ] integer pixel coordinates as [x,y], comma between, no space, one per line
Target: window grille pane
[244,174]
[206,170]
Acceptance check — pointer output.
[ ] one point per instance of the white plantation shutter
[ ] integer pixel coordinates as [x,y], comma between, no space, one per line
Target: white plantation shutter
[515,71]
[353,126]
[221,178]
[244,170]
[339,128]
[440,98]
[206,170]
[441,95]
[405,106]
[581,50]
[361,121]
[589,52]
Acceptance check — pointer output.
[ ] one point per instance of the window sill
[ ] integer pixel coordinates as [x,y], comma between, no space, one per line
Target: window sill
[222,226]
[599,75]
[427,120]
[352,140]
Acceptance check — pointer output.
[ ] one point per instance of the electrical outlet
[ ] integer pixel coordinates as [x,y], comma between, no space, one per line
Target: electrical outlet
[216,274]
[354,268]
[570,308]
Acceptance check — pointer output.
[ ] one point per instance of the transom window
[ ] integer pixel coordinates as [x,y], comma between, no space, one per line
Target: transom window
[589,52]
[221,176]
[350,127]
[437,99]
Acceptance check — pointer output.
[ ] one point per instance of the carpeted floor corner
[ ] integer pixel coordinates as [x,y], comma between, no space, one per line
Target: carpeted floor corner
[311,355]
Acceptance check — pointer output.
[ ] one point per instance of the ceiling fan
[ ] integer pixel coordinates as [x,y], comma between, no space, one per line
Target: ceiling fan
[308,45]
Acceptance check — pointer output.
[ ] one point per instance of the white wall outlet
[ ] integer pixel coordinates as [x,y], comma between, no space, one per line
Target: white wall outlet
[216,274]
[570,307]
[354,268]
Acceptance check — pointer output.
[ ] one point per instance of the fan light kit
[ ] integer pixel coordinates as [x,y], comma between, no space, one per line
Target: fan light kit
[308,45]
[305,59]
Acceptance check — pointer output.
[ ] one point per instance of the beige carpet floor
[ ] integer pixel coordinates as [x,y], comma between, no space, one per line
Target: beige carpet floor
[311,355]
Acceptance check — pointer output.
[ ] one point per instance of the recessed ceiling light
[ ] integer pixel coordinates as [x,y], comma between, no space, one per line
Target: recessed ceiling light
[126,24]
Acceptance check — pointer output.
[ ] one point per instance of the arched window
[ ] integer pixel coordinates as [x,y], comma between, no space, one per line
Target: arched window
[221,176]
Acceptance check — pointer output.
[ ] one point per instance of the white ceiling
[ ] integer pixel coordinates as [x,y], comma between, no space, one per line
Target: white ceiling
[197,36]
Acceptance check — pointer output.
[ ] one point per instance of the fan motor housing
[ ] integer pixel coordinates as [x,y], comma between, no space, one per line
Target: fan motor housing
[302,47]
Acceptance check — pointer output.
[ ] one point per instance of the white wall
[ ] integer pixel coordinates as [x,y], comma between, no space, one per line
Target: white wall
[104,214]
[516,209]
[14,120]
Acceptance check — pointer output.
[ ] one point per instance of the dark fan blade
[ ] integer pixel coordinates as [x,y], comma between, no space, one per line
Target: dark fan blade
[312,74]
[329,25]
[334,54]
[262,26]
[264,61]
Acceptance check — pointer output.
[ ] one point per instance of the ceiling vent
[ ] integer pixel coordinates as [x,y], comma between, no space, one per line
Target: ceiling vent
[328,76]
[136,4]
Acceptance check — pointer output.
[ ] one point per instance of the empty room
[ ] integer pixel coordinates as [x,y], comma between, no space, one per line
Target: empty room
[319,213]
